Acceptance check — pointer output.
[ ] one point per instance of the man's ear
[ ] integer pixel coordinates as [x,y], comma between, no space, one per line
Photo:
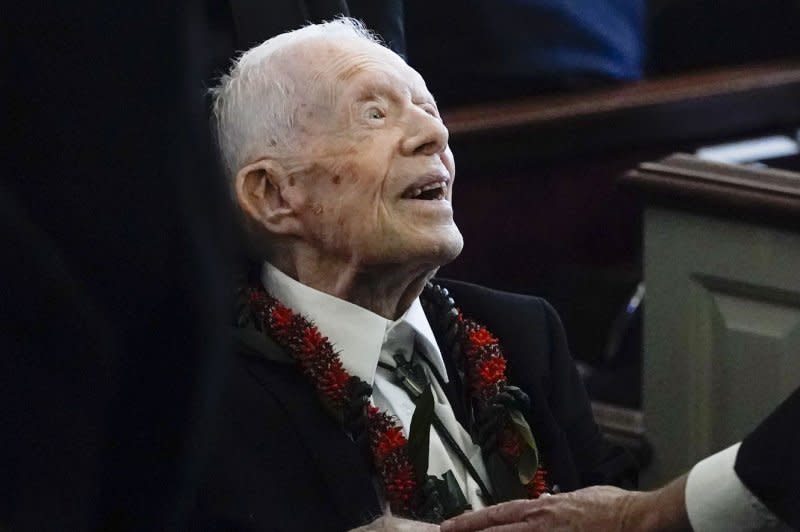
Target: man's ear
[259,188]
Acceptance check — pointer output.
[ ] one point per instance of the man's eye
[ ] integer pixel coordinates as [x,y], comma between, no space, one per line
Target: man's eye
[375,113]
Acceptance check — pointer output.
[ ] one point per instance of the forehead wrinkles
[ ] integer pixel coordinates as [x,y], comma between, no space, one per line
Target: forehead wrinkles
[337,64]
[347,68]
[336,75]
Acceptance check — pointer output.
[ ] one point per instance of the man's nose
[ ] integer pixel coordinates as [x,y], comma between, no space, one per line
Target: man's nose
[427,136]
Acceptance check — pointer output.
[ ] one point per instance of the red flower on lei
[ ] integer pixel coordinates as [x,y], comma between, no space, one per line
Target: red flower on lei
[485,368]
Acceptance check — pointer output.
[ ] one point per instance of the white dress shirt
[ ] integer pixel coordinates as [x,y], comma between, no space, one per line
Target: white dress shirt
[362,338]
[717,501]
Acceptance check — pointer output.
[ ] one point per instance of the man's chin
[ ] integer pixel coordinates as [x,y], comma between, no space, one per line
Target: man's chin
[414,252]
[443,251]
[452,249]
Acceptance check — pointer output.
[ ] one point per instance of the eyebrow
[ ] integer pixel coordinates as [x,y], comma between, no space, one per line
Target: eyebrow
[381,88]
[425,99]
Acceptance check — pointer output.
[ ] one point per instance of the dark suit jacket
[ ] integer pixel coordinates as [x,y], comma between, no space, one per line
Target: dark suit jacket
[768,462]
[282,463]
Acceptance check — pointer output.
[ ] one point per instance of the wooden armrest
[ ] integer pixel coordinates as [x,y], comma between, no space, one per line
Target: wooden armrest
[685,181]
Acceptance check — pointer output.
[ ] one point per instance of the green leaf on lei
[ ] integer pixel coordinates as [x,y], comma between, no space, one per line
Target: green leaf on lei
[529,459]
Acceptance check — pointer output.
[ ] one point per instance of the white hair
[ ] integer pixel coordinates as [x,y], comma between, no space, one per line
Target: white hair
[255,105]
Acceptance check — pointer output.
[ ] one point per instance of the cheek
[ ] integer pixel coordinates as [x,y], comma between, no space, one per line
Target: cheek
[345,200]
[346,173]
[355,185]
[449,161]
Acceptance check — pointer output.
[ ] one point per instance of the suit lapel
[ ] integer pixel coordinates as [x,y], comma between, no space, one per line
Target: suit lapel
[341,464]
[521,324]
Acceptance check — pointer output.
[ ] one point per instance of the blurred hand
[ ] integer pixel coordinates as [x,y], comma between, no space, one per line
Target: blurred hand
[603,508]
[396,524]
[595,508]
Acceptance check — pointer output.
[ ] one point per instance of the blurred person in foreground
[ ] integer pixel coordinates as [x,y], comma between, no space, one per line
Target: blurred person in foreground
[114,283]
[363,386]
[750,486]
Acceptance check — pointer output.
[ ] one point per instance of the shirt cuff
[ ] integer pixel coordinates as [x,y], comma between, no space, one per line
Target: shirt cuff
[717,501]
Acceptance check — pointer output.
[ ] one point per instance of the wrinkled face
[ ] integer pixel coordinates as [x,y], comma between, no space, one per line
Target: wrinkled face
[379,174]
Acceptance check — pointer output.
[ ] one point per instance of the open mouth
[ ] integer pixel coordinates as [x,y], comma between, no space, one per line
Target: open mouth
[431,191]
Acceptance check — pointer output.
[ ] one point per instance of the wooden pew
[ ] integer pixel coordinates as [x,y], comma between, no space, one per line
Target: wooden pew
[722,320]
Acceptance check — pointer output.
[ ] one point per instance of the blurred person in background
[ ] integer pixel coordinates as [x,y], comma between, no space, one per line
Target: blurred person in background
[514,48]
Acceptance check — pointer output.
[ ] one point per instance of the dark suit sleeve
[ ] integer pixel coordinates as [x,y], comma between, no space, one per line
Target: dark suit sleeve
[597,461]
[768,461]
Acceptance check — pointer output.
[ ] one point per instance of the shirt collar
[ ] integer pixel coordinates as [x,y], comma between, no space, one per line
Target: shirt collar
[426,340]
[357,334]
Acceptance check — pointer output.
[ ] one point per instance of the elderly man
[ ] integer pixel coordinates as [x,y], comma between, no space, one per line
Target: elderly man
[362,388]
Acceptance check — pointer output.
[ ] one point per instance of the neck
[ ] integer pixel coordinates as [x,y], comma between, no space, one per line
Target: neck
[386,290]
